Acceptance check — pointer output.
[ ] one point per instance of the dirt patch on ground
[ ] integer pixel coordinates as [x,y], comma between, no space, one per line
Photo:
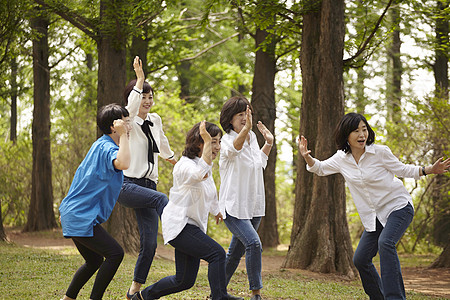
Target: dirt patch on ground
[433,282]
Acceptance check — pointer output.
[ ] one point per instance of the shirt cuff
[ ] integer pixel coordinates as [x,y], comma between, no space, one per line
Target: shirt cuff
[139,91]
[314,168]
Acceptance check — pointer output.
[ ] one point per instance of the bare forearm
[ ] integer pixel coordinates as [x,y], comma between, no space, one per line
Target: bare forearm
[207,153]
[240,139]
[122,161]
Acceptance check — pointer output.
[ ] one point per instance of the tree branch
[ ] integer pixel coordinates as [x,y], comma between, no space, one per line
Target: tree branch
[372,34]
[198,54]
[75,19]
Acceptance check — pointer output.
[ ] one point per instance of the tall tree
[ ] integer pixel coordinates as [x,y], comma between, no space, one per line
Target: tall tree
[320,240]
[441,184]
[263,102]
[394,84]
[41,215]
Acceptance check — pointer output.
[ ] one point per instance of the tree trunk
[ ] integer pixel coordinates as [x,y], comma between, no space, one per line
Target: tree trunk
[13,122]
[121,224]
[3,236]
[41,215]
[263,102]
[440,188]
[320,240]
[394,86]
[443,261]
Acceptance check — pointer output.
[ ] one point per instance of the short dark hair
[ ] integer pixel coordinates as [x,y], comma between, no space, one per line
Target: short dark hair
[194,140]
[233,106]
[147,88]
[107,114]
[349,123]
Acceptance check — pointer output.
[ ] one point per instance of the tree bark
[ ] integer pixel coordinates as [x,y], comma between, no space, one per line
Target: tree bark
[14,88]
[440,195]
[263,102]
[41,215]
[320,240]
[394,86]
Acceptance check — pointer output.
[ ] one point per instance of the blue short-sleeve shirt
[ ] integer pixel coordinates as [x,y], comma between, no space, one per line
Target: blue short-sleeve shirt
[93,192]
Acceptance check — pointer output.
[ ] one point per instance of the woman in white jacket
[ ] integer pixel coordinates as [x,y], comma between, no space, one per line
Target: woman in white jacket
[185,218]
[383,203]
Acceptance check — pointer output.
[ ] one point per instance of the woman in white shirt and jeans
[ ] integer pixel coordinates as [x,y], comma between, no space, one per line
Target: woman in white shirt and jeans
[383,203]
[185,218]
[241,196]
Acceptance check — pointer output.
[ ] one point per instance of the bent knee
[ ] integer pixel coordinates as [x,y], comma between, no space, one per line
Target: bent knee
[254,244]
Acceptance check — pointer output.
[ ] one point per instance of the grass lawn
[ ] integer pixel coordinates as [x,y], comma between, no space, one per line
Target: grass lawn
[29,273]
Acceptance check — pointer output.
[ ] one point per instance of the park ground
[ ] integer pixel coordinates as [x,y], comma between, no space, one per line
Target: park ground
[417,276]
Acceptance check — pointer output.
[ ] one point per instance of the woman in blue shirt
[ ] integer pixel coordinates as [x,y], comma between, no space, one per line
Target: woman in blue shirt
[91,199]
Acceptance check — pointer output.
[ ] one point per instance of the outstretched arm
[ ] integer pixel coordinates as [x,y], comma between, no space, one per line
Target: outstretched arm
[439,167]
[303,149]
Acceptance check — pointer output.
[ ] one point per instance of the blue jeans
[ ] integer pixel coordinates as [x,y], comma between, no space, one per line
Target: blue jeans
[383,240]
[246,240]
[141,195]
[191,245]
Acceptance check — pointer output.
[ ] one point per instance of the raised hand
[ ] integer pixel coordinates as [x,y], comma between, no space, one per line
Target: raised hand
[248,119]
[303,147]
[120,126]
[137,65]
[440,166]
[268,136]
[203,133]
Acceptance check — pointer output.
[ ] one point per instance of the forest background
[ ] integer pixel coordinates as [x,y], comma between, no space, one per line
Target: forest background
[303,64]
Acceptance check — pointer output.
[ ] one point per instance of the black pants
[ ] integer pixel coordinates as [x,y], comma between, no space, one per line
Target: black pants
[94,249]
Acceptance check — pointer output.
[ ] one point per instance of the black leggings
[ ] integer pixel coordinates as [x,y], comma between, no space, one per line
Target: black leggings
[94,249]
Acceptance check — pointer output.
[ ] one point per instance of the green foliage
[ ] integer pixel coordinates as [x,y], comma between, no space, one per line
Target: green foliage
[15,180]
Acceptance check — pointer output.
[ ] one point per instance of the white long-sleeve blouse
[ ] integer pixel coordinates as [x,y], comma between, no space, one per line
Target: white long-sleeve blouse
[191,198]
[241,192]
[139,164]
[375,189]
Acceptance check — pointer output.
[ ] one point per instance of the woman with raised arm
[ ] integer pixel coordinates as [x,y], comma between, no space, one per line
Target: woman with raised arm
[147,142]
[383,203]
[91,199]
[184,220]
[241,197]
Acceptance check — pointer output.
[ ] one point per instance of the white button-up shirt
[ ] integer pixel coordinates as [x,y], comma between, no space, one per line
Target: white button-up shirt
[139,164]
[191,198]
[375,190]
[241,173]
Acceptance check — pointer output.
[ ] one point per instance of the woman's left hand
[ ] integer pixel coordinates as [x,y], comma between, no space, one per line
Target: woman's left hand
[268,136]
[204,133]
[219,218]
[440,166]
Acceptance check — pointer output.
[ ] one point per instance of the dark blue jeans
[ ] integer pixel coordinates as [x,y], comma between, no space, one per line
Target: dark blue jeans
[141,195]
[191,245]
[246,240]
[94,249]
[383,240]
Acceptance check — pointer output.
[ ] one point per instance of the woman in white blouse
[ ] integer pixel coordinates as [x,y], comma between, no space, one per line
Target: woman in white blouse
[185,218]
[241,196]
[383,203]
[147,142]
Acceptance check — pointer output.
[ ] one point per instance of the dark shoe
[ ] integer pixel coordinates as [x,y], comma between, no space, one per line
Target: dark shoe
[256,297]
[137,296]
[129,296]
[231,297]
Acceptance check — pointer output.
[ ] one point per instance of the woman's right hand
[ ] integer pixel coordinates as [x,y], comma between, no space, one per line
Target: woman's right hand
[137,65]
[303,147]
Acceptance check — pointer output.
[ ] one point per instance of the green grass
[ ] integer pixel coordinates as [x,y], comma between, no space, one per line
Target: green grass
[28,273]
